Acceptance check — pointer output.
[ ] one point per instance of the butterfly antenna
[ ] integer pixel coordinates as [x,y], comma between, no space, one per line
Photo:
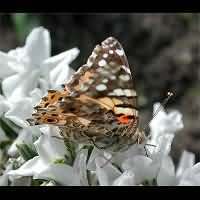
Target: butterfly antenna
[162,105]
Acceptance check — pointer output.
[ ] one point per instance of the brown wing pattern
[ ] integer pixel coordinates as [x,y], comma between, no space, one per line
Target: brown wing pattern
[99,100]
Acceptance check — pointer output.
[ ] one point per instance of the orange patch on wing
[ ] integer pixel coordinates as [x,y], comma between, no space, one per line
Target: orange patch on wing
[124,119]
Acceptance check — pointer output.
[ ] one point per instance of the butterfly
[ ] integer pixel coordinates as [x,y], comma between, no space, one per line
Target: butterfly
[98,105]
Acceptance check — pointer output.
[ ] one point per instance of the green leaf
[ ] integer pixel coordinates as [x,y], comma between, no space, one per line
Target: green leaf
[24,23]
[26,151]
[37,182]
[5,143]
[71,148]
[10,133]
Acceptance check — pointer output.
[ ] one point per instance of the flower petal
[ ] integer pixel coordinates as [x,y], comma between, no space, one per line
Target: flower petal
[126,179]
[142,166]
[50,130]
[191,176]
[50,148]
[61,173]
[20,111]
[106,174]
[21,181]
[4,180]
[91,165]
[29,168]
[38,45]
[19,85]
[4,105]
[80,166]
[6,68]
[60,74]
[164,123]
[36,95]
[163,145]
[68,55]
[166,175]
[134,150]
[25,136]
[187,160]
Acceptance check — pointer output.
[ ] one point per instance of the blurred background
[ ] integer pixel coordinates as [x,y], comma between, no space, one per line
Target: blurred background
[163,49]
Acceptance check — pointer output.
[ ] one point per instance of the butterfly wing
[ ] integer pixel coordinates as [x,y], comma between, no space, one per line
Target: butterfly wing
[100,98]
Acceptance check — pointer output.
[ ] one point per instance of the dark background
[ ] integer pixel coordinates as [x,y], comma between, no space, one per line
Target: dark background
[163,49]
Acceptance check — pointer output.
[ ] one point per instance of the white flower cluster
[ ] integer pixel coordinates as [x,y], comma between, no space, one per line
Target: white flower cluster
[32,156]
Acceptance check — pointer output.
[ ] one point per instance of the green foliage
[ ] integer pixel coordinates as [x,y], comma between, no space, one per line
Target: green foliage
[71,149]
[152,182]
[10,132]
[60,161]
[37,182]
[26,151]
[4,144]
[24,23]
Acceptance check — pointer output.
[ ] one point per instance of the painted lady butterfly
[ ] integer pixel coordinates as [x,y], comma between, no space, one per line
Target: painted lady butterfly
[98,105]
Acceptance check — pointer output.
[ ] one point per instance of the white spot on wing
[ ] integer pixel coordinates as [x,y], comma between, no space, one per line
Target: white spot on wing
[105,80]
[125,77]
[101,87]
[90,81]
[112,77]
[89,63]
[120,52]
[93,55]
[83,88]
[111,94]
[105,55]
[119,92]
[130,93]
[126,69]
[126,111]
[102,63]
[111,52]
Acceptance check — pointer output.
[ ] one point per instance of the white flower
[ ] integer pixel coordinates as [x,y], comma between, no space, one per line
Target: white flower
[143,167]
[4,180]
[49,166]
[187,173]
[4,106]
[26,136]
[163,127]
[127,178]
[33,72]
[138,169]
[107,174]
[34,69]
